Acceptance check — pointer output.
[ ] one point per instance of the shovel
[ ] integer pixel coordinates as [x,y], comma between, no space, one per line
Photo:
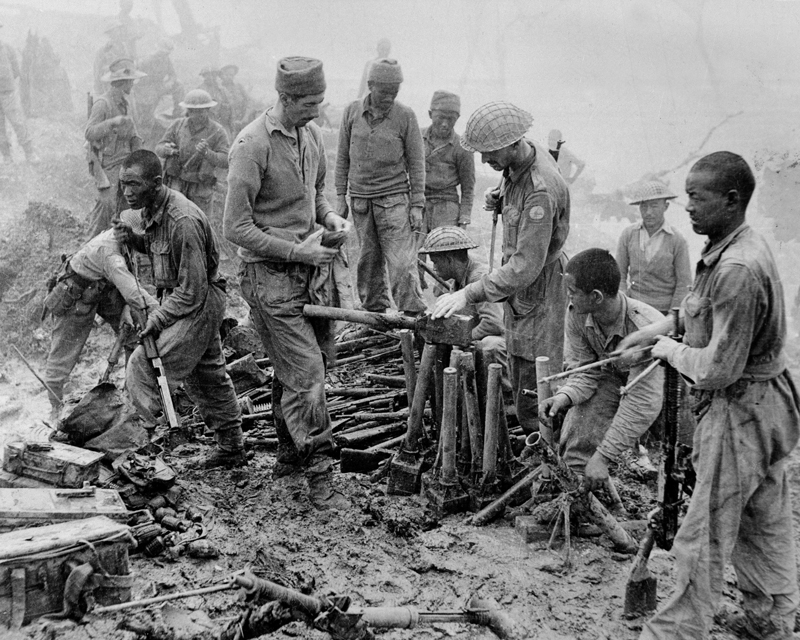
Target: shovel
[97,409]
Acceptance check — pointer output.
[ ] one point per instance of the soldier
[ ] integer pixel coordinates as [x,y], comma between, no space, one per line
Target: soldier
[161,80]
[381,160]
[194,148]
[535,205]
[276,211]
[567,161]
[600,424]
[733,355]
[110,136]
[183,251]
[237,95]
[97,279]
[211,84]
[11,107]
[449,248]
[449,167]
[652,256]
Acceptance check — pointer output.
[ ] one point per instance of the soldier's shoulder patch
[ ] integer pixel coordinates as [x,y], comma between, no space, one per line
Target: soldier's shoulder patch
[536,213]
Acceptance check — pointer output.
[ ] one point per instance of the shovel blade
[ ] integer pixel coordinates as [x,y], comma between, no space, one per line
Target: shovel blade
[640,594]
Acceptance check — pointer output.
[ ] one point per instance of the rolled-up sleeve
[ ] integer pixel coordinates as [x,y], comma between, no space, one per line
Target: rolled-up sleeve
[117,273]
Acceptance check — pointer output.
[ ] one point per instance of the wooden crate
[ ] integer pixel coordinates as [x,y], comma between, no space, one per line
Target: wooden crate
[26,507]
[35,564]
[58,464]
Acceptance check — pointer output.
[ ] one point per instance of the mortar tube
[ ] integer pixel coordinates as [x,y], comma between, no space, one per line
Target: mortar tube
[448,432]
[492,422]
[473,410]
[543,391]
[409,367]
[454,357]
[414,432]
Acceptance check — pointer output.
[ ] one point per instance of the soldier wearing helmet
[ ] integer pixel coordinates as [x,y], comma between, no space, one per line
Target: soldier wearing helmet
[534,201]
[653,257]
[111,135]
[449,248]
[195,148]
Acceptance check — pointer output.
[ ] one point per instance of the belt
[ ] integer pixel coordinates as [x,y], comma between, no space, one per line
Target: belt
[82,282]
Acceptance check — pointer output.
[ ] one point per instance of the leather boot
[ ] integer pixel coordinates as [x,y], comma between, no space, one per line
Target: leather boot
[321,493]
[228,451]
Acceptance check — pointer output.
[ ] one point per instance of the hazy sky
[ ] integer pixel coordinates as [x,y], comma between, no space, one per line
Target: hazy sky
[634,85]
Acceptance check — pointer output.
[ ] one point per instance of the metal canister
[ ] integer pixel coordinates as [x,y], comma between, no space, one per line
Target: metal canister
[202,549]
[174,524]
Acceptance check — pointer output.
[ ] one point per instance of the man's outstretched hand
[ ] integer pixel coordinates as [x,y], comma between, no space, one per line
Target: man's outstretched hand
[449,303]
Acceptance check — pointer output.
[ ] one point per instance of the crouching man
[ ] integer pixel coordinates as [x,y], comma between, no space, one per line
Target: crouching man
[181,246]
[449,248]
[600,423]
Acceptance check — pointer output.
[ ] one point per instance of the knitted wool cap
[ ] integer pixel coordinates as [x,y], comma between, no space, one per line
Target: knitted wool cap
[651,190]
[300,76]
[447,239]
[495,125]
[385,70]
[446,101]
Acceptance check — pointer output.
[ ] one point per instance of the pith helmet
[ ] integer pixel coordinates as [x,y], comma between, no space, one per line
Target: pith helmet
[198,99]
[651,190]
[447,239]
[495,125]
[122,69]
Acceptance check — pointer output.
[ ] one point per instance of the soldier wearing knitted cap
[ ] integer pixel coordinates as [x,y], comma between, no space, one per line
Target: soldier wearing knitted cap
[534,201]
[111,135]
[96,280]
[653,257]
[449,248]
[381,162]
[194,148]
[449,168]
[276,212]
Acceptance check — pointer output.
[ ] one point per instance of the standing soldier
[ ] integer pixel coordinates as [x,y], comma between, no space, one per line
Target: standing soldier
[111,135]
[11,107]
[182,248]
[194,148]
[381,160]
[276,211]
[114,49]
[237,95]
[534,200]
[211,85]
[448,167]
[161,80]
[566,160]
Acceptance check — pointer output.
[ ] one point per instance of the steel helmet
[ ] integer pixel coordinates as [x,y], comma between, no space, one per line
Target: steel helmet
[198,99]
[495,125]
[650,190]
[447,239]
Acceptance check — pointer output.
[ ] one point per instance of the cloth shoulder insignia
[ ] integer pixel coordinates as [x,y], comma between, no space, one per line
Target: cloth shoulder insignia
[536,213]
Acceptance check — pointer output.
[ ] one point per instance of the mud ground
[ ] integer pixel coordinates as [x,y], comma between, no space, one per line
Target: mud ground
[382,552]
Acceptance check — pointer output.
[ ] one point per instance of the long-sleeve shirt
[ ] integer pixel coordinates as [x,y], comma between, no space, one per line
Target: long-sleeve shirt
[586,342]
[535,226]
[489,314]
[183,251]
[201,168]
[662,279]
[449,166]
[9,68]
[276,180]
[114,142]
[102,259]
[735,321]
[380,155]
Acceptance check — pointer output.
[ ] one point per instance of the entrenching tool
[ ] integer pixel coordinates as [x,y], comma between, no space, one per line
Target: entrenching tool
[496,212]
[455,330]
[151,351]
[641,588]
[441,486]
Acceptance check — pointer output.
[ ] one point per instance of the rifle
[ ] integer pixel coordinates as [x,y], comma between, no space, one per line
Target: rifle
[151,351]
[674,480]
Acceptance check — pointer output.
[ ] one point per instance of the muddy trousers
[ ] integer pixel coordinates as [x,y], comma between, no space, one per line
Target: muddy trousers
[387,244]
[11,110]
[70,333]
[740,510]
[276,293]
[109,203]
[191,352]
